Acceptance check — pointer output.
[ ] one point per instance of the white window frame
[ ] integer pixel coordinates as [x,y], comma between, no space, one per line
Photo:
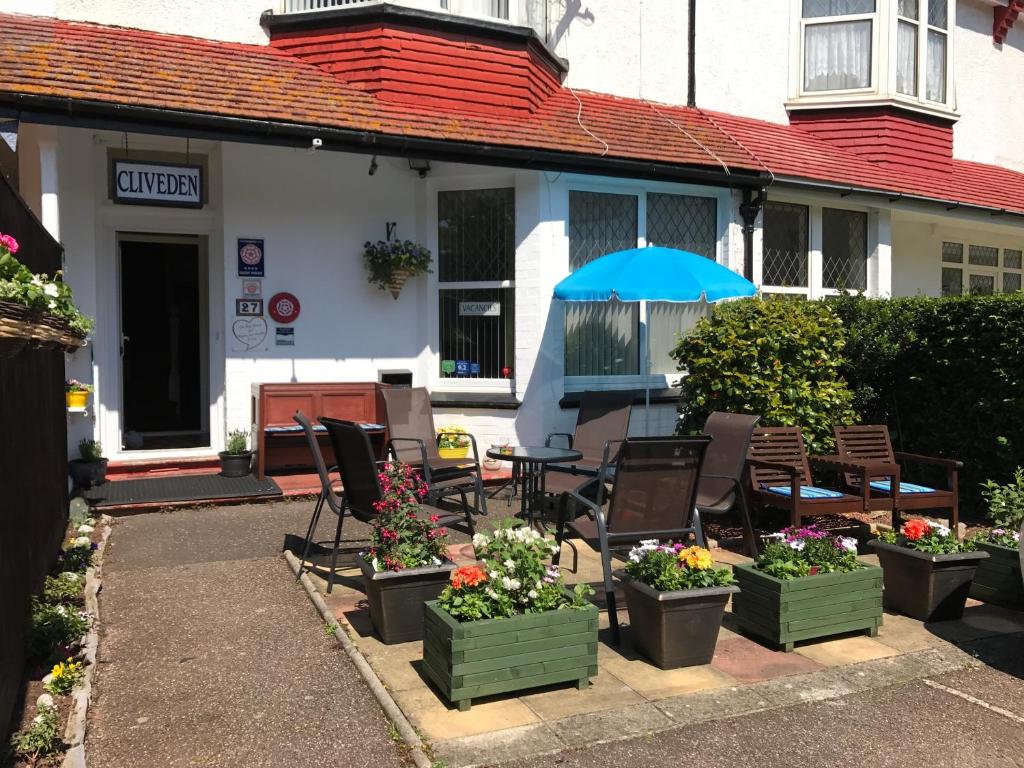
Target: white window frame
[456,7]
[967,269]
[640,190]
[884,60]
[437,382]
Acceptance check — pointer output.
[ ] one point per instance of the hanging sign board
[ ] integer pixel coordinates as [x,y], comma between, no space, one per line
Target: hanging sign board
[136,182]
[479,308]
[250,257]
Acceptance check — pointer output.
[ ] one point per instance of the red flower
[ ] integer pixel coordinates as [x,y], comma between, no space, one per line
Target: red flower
[915,529]
[434,518]
[468,576]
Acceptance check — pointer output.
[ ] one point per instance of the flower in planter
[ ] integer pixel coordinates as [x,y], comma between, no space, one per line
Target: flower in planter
[74,385]
[452,436]
[511,579]
[805,551]
[926,536]
[401,537]
[389,264]
[672,567]
[1002,538]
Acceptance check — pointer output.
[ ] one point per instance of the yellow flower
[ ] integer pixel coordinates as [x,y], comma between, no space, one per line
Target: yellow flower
[697,558]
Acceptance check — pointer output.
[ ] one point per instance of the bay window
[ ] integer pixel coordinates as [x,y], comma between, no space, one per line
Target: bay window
[870,49]
[476,288]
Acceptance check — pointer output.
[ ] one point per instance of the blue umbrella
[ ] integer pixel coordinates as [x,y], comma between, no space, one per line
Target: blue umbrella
[653,274]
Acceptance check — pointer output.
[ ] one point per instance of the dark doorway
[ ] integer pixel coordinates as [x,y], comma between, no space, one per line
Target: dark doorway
[163,327]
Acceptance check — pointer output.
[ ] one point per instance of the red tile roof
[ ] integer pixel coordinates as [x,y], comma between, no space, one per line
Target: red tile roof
[44,57]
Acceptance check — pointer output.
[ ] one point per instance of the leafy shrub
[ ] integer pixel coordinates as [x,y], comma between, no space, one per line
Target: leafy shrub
[52,630]
[946,375]
[77,556]
[64,588]
[780,358]
[796,552]
[1005,502]
[90,450]
[41,739]
[670,567]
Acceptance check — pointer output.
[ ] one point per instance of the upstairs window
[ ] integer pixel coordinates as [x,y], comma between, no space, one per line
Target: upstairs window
[921,46]
[837,44]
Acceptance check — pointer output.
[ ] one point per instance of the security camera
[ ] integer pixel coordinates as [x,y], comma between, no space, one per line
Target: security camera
[317,143]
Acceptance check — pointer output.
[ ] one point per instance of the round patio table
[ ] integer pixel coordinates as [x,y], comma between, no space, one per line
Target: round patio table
[532,460]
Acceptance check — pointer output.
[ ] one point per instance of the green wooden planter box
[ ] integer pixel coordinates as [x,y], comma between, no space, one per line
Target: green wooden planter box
[482,658]
[782,612]
[998,579]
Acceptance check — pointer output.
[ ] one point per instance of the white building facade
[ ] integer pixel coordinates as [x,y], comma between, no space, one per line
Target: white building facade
[900,102]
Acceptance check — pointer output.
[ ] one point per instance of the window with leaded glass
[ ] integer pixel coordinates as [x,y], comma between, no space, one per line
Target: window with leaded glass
[844,249]
[784,259]
[476,290]
[952,281]
[984,272]
[601,338]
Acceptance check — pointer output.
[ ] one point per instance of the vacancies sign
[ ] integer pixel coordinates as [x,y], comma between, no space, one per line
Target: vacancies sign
[141,183]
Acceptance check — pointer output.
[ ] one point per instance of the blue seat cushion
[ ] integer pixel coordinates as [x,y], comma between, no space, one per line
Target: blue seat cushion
[806,492]
[885,485]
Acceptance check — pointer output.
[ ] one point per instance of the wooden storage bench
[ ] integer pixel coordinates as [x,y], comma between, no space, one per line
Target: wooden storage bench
[279,442]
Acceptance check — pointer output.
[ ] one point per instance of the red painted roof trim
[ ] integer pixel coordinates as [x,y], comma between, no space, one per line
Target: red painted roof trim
[1003,19]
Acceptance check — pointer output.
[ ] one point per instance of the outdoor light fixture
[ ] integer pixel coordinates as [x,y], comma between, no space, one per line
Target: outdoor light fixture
[422,167]
[373,165]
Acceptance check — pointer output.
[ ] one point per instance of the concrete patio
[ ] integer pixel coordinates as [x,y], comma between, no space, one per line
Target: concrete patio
[631,697]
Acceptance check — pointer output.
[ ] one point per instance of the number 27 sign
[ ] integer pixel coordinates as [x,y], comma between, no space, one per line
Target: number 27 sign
[249,307]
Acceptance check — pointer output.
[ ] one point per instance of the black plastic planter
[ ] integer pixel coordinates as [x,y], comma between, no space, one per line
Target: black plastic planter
[998,579]
[675,629]
[396,598]
[88,474]
[924,586]
[235,464]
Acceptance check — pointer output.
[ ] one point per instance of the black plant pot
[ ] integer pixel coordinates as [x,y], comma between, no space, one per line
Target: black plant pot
[998,579]
[675,629]
[396,598]
[924,586]
[235,464]
[88,473]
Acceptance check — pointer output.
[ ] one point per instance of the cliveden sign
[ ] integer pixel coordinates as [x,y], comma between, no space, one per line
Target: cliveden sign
[143,183]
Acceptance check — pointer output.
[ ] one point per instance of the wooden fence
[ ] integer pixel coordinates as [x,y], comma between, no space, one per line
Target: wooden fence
[33,460]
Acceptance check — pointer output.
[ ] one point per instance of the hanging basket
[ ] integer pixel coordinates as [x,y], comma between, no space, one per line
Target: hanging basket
[20,324]
[397,282]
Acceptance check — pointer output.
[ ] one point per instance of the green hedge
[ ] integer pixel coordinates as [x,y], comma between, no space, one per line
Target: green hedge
[779,358]
[946,375]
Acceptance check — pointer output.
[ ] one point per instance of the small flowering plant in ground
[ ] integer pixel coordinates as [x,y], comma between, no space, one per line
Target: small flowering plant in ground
[926,536]
[64,676]
[511,578]
[794,552]
[671,567]
[402,537]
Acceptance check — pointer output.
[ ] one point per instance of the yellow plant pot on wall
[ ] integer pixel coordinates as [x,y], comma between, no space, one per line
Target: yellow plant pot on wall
[76,399]
[454,453]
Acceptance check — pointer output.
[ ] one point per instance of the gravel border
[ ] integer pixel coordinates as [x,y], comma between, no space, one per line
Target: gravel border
[417,752]
[74,732]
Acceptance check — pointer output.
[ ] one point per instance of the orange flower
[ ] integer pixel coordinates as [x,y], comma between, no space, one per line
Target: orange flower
[915,529]
[468,576]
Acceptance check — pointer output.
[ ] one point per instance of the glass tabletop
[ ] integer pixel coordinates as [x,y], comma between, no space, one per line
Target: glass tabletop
[536,454]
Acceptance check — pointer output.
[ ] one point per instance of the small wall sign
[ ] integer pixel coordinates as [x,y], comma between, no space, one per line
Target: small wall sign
[284,308]
[250,257]
[284,337]
[136,182]
[249,332]
[252,289]
[479,308]
[249,307]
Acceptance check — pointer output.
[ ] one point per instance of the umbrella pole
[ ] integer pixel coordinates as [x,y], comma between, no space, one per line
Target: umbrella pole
[647,357]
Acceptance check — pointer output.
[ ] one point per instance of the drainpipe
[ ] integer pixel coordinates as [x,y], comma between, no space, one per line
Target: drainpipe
[691,56]
[749,208]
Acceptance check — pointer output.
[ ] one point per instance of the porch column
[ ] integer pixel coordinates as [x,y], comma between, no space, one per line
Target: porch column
[49,179]
[880,253]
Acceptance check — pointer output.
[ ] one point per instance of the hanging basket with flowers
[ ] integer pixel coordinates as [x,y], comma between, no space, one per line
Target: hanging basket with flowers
[34,309]
[391,264]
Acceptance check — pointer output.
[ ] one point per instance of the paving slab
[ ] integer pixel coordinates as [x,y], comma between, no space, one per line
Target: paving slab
[606,691]
[437,720]
[528,742]
[845,650]
[905,634]
[596,727]
[979,621]
[750,662]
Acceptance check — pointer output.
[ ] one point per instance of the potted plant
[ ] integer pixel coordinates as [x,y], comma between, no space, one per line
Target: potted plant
[508,623]
[998,579]
[452,442]
[676,598]
[928,571]
[76,394]
[407,563]
[236,458]
[91,468]
[807,584]
[390,264]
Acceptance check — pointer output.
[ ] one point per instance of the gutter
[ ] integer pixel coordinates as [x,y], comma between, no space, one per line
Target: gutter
[31,108]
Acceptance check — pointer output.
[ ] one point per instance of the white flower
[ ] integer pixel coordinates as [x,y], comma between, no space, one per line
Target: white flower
[37,719]
[1016,535]
[479,540]
[44,700]
[539,584]
[532,594]
[50,289]
[648,543]
[797,544]
[69,575]
[82,541]
[774,536]
[848,543]
[62,610]
[85,529]
[493,575]
[554,549]
[491,593]
[51,304]
[37,280]
[435,560]
[506,582]
[939,529]
[509,565]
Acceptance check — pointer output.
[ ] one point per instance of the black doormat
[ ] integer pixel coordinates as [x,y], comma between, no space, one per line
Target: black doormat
[181,488]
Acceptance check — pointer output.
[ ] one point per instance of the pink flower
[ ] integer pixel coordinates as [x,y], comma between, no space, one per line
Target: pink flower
[8,242]
[434,518]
